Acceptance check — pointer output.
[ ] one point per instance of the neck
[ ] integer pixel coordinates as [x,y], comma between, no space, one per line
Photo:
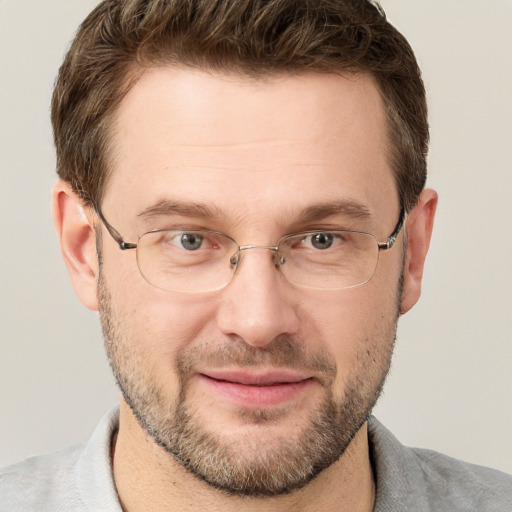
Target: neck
[150,480]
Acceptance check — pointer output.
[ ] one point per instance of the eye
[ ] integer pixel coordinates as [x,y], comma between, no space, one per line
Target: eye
[321,241]
[189,241]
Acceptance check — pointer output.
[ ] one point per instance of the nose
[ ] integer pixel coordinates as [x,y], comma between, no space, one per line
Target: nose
[259,304]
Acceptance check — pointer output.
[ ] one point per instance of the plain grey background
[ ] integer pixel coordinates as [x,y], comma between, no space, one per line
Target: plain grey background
[451,383]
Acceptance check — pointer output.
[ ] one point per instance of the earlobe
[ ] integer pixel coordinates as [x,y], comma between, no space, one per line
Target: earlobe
[419,231]
[75,229]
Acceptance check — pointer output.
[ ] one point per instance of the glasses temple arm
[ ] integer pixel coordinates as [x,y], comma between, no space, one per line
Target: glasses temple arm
[114,233]
[392,238]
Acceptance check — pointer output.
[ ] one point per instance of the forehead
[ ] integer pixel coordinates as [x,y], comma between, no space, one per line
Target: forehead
[241,144]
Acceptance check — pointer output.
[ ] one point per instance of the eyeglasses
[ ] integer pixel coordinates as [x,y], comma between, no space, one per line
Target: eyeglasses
[194,261]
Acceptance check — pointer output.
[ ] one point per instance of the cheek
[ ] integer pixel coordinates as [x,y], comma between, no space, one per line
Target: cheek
[356,326]
[158,323]
[164,322]
[153,328]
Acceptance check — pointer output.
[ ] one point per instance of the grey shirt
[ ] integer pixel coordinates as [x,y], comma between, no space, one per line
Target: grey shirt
[412,480]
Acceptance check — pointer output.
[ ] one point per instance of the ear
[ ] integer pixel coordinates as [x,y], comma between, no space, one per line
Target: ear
[75,229]
[419,231]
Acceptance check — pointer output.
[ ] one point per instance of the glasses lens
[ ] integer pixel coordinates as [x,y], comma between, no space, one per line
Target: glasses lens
[200,261]
[329,259]
[188,261]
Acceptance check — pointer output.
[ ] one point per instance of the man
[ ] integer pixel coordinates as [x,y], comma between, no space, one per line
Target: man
[242,199]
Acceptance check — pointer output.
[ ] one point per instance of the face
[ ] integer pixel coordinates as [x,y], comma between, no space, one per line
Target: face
[257,387]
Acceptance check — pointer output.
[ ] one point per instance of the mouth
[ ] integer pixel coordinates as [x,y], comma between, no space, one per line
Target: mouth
[258,390]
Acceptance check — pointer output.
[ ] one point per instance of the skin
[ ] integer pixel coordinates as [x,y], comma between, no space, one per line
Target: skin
[256,153]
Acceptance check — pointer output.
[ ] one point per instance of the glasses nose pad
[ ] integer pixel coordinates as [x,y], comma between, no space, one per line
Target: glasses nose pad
[279,259]
[235,260]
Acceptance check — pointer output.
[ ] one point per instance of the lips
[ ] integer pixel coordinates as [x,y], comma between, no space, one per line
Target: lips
[269,378]
[262,390]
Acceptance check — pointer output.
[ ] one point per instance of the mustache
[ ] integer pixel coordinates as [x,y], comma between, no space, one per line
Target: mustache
[282,352]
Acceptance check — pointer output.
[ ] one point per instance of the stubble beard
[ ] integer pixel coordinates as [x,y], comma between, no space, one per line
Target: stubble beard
[250,465]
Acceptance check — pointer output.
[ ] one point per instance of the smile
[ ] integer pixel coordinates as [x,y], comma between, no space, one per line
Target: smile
[257,390]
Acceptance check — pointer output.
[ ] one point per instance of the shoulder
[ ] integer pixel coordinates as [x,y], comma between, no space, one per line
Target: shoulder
[42,483]
[424,480]
[72,480]
[468,485]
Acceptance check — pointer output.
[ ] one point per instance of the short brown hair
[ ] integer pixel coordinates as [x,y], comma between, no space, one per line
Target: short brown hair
[257,38]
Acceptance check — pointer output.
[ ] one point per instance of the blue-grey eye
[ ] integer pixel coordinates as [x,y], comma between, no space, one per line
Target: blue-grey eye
[191,241]
[322,240]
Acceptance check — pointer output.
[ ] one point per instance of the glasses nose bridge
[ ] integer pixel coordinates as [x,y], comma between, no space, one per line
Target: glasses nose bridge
[274,248]
[247,247]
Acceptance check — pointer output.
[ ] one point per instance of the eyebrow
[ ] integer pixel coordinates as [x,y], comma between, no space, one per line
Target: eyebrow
[312,213]
[346,208]
[171,207]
